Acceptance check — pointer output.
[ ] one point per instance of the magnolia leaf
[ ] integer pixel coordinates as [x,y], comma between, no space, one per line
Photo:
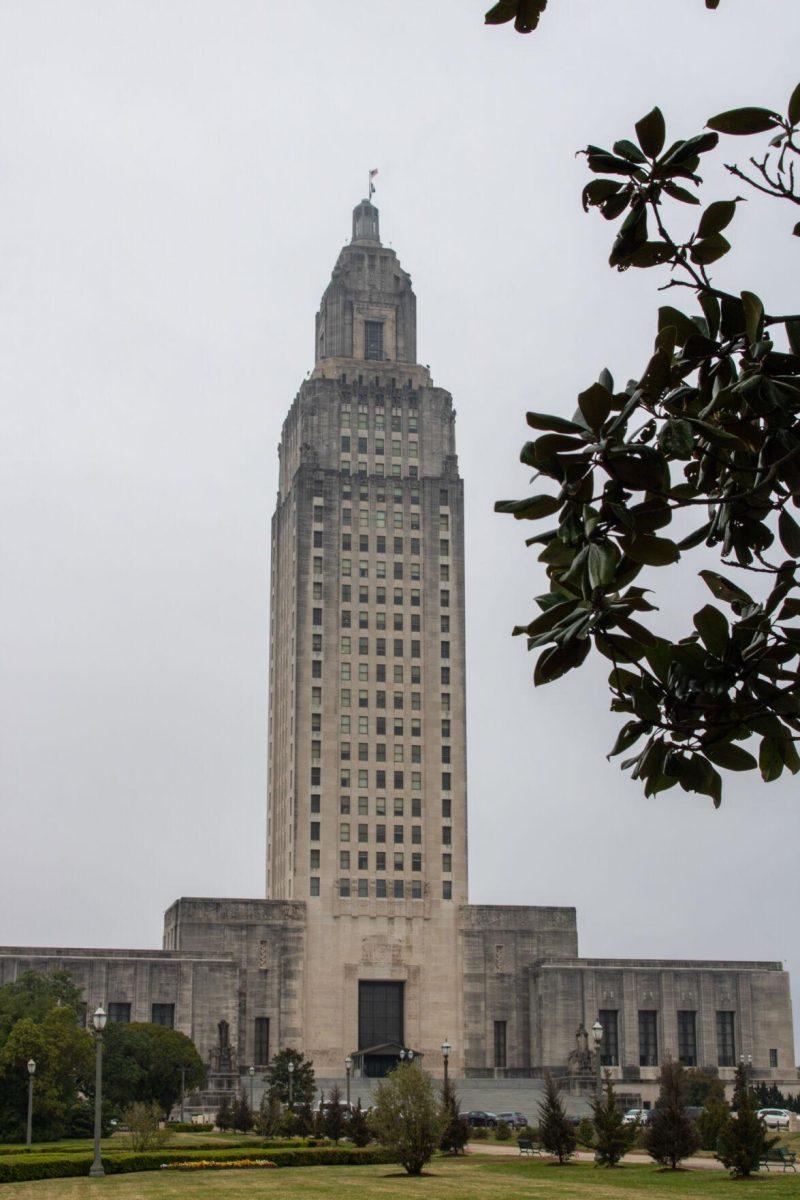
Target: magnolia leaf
[793,111]
[723,589]
[712,625]
[601,563]
[789,533]
[550,422]
[595,405]
[716,217]
[680,193]
[708,250]
[651,132]
[631,732]
[531,509]
[770,759]
[554,663]
[731,757]
[742,121]
[753,315]
[650,551]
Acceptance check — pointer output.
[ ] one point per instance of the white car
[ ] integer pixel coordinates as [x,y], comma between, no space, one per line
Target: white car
[633,1115]
[775,1118]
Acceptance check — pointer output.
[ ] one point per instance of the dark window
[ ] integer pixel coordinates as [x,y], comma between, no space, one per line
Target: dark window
[119,1011]
[687,1038]
[373,339]
[447,890]
[648,1038]
[261,1042]
[315,831]
[726,1047]
[447,806]
[500,1043]
[314,880]
[773,1058]
[609,1047]
[164,1014]
[380,889]
[398,888]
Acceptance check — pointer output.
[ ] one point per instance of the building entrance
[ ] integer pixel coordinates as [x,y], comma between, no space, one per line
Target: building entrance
[380,1026]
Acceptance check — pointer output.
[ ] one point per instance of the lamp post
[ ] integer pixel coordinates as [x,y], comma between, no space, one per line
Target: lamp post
[31,1073]
[597,1034]
[183,1090]
[290,1069]
[251,1073]
[348,1066]
[99,1021]
[446,1048]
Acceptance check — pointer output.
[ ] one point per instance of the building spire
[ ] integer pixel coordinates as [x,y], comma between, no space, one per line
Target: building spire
[366,226]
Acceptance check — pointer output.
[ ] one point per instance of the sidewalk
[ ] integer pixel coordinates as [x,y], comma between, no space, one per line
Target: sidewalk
[511,1150]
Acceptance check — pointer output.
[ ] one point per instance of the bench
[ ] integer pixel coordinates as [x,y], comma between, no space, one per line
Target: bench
[528,1146]
[780,1155]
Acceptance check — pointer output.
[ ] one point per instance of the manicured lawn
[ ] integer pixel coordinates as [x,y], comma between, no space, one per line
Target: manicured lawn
[467,1179]
[119,1141]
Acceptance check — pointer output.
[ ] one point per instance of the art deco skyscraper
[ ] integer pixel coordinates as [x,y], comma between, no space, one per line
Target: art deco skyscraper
[367,744]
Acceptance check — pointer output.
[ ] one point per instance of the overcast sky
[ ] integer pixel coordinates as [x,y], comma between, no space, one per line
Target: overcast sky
[176,180]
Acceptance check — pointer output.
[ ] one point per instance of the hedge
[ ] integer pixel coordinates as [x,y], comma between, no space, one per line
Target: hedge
[55,1166]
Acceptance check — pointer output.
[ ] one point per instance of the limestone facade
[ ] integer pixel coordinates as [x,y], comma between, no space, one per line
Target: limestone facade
[367,896]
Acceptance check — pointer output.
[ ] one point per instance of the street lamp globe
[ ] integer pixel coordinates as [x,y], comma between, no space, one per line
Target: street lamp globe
[99,1019]
[290,1066]
[251,1072]
[597,1033]
[446,1048]
[31,1067]
[348,1062]
[402,1054]
[409,1055]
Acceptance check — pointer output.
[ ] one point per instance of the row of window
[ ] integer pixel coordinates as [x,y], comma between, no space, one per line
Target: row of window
[363,833]
[160,1014]
[398,806]
[382,889]
[361,568]
[378,517]
[362,861]
[398,725]
[379,419]
[398,596]
[378,447]
[380,491]
[649,1040]
[398,783]
[397,544]
[398,620]
[346,676]
[346,696]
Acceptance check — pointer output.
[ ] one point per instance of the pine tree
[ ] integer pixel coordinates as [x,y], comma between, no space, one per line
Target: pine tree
[613,1139]
[242,1115]
[225,1115]
[714,1117]
[556,1133]
[671,1135]
[455,1134]
[334,1117]
[357,1127]
[268,1120]
[743,1140]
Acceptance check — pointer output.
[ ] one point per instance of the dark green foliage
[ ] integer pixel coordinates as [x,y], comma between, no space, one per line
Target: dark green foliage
[743,1138]
[225,1118]
[242,1113]
[335,1117]
[701,1085]
[670,1135]
[585,1133]
[612,1138]
[277,1076]
[406,1118]
[479,1134]
[526,13]
[357,1128]
[142,1063]
[503,1132]
[771,1096]
[455,1128]
[712,1121]
[709,430]
[556,1133]
[17,1168]
[304,1115]
[268,1118]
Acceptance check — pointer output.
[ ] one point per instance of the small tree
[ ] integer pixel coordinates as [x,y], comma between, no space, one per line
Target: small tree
[144,1126]
[455,1128]
[585,1133]
[671,1134]
[242,1114]
[701,1086]
[557,1134]
[357,1127]
[305,1119]
[613,1139]
[334,1117]
[224,1119]
[303,1085]
[743,1139]
[268,1118]
[407,1119]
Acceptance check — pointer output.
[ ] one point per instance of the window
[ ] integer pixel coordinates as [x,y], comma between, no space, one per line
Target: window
[687,1038]
[416,861]
[119,1011]
[261,1041]
[344,832]
[648,1038]
[447,863]
[726,1047]
[314,882]
[314,860]
[416,889]
[344,805]
[380,833]
[363,860]
[316,696]
[399,889]
[380,889]
[380,860]
[773,1058]
[315,803]
[163,1014]
[500,1043]
[399,860]
[316,669]
[609,1047]
[344,887]
[363,889]
[315,831]
[416,835]
[447,890]
[373,339]
[447,806]
[363,832]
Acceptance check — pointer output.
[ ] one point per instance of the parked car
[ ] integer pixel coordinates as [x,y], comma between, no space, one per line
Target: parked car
[479,1118]
[775,1118]
[642,1115]
[516,1120]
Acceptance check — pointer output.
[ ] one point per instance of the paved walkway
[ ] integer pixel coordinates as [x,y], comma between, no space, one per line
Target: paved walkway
[511,1150]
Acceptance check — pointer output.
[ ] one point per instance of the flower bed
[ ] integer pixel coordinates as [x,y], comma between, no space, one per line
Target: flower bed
[211,1164]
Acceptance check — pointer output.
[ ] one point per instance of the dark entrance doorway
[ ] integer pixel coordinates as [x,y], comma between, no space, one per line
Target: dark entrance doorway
[380,1025]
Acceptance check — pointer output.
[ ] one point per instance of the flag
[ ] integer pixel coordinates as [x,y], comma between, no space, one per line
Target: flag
[372,175]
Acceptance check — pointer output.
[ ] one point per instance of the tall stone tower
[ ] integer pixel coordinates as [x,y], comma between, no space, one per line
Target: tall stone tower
[367,814]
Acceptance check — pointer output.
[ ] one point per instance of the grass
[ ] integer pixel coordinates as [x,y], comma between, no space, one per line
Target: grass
[207,1140]
[472,1178]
